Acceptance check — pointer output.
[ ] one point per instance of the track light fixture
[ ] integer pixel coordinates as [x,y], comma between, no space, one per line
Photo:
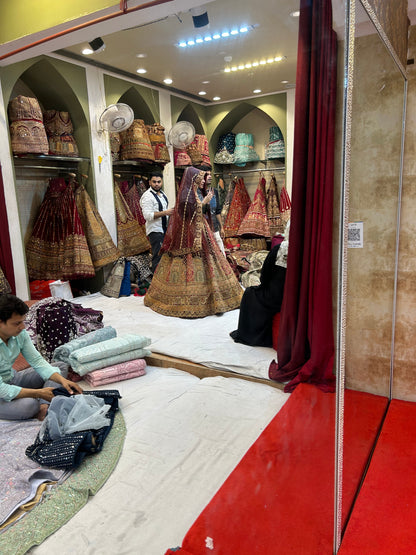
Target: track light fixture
[97,45]
[199,17]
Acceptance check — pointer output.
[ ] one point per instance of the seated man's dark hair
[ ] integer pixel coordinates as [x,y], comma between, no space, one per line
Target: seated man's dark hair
[156,174]
[9,305]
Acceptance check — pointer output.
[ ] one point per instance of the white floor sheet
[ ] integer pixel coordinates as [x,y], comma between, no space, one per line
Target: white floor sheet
[202,340]
[184,437]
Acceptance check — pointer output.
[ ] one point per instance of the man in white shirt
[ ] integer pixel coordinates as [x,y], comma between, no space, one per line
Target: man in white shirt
[25,394]
[154,205]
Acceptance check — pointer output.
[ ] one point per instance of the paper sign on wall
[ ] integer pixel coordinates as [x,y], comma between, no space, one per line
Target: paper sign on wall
[355,235]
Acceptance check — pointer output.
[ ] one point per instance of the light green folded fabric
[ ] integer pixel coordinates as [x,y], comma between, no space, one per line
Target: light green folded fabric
[63,351]
[109,348]
[83,368]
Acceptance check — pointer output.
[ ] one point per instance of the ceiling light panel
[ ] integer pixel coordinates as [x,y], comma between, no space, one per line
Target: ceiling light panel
[212,37]
[256,63]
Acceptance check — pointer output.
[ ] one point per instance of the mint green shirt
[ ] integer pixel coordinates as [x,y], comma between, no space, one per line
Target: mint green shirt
[9,353]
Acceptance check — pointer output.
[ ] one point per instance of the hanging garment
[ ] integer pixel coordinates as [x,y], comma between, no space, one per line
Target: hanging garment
[101,246]
[238,208]
[141,267]
[4,284]
[273,211]
[58,248]
[201,143]
[285,206]
[131,236]
[226,201]
[255,221]
[193,278]
[132,197]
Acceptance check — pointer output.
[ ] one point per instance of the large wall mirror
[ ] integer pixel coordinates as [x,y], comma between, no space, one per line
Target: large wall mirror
[373,134]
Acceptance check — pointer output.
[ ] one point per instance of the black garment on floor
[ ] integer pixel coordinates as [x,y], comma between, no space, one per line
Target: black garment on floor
[260,303]
[70,450]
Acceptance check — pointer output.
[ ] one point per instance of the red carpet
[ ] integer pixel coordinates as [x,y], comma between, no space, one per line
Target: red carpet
[279,498]
[383,519]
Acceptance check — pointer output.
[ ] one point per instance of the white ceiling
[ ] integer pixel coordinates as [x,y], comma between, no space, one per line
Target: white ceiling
[155,33]
[201,67]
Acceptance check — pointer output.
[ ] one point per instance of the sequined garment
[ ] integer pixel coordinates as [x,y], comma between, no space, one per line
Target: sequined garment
[193,279]
[256,222]
[131,236]
[85,320]
[273,211]
[102,248]
[4,284]
[57,248]
[70,450]
[238,208]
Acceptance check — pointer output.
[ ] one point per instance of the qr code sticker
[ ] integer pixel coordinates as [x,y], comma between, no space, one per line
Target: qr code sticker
[354,234]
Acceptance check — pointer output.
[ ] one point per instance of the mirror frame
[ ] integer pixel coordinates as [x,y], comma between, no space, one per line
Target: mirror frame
[348,74]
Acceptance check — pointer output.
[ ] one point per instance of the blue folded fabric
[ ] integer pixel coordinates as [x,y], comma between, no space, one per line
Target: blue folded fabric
[63,351]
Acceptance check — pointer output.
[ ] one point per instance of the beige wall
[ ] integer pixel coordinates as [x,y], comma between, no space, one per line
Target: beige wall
[404,383]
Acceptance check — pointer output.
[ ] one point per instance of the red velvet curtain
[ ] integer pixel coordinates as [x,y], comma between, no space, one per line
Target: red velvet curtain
[305,349]
[6,260]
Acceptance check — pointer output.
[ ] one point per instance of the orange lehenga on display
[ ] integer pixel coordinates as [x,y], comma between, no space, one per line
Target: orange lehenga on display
[193,279]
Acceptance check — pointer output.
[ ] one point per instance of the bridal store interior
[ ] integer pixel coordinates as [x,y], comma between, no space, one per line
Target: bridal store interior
[209,452]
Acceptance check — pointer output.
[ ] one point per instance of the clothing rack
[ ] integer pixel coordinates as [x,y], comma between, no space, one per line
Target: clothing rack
[280,169]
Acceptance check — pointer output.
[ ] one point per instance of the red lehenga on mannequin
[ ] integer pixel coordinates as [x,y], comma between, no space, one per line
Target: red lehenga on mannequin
[192,279]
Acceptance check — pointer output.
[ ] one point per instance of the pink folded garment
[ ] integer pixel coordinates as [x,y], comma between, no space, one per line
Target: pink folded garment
[117,372]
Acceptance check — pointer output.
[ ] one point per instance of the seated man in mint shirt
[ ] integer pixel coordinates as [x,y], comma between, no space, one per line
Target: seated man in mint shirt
[25,394]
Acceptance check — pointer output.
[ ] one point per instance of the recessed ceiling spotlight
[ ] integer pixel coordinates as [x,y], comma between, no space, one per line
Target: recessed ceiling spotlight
[168,81]
[141,55]
[234,32]
[216,36]
[87,51]
[256,91]
[199,40]
[225,34]
[295,13]
[207,38]
[141,70]
[284,82]
[227,70]
[216,98]
[202,93]
[205,82]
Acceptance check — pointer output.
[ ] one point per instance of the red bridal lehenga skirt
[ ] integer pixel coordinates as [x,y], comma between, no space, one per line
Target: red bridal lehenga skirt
[57,248]
[194,285]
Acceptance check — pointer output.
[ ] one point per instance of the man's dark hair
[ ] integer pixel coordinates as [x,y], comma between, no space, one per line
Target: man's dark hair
[156,174]
[9,305]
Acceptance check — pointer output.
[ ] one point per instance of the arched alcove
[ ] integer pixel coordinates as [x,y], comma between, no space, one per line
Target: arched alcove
[143,100]
[189,114]
[141,110]
[54,91]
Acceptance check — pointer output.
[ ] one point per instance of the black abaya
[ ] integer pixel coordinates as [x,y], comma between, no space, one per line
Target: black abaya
[260,303]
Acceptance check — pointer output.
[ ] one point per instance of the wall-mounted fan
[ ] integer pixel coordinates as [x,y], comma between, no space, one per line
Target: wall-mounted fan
[182,134]
[116,117]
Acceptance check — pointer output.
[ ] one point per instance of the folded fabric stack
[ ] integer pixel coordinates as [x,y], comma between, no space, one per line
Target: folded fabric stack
[27,131]
[225,149]
[59,129]
[244,149]
[108,353]
[276,146]
[63,352]
[117,372]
